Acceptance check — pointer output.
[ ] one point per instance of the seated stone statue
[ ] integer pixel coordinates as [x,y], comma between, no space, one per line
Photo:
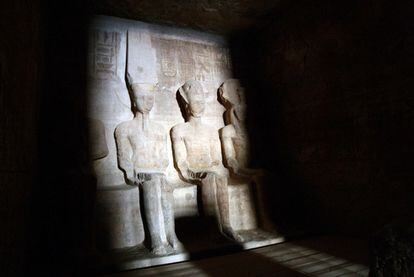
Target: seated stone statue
[235,144]
[142,155]
[196,148]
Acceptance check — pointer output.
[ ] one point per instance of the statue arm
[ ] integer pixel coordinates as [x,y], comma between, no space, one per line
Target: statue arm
[180,153]
[165,152]
[124,151]
[215,150]
[228,151]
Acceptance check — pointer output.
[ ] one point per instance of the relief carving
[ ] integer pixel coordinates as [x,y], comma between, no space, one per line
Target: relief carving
[106,45]
[142,155]
[196,149]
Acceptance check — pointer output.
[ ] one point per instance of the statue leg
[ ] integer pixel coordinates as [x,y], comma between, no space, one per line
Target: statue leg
[208,196]
[223,205]
[264,217]
[154,215]
[167,199]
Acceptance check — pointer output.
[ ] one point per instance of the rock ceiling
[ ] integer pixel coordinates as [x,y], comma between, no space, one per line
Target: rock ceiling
[219,16]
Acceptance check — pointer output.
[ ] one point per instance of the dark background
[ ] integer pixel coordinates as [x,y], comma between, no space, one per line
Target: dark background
[330,114]
[334,98]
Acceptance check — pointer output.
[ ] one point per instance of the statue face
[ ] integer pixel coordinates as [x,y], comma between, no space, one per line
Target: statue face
[196,104]
[193,95]
[232,92]
[143,97]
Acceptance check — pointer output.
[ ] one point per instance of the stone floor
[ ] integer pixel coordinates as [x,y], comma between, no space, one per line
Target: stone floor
[318,256]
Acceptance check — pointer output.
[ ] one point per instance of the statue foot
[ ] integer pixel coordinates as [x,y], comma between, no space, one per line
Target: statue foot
[170,249]
[230,233]
[162,250]
[175,244]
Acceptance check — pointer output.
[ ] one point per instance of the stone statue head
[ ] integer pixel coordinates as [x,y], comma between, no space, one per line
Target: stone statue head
[142,95]
[231,93]
[193,95]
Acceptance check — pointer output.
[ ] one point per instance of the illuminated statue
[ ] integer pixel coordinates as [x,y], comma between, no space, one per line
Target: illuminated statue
[196,148]
[142,155]
[235,143]
[234,136]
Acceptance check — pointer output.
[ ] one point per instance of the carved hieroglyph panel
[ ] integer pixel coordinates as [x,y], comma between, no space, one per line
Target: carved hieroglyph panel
[180,60]
[105,54]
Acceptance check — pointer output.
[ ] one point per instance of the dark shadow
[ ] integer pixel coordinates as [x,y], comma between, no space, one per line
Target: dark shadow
[329,93]
[245,263]
[286,193]
[147,238]
[181,105]
[351,249]
[60,232]
[202,238]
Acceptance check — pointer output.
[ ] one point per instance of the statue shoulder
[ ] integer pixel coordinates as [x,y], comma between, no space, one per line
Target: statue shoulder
[228,131]
[122,128]
[178,129]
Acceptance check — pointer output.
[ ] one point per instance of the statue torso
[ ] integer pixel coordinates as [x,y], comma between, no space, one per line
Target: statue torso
[148,146]
[240,142]
[199,143]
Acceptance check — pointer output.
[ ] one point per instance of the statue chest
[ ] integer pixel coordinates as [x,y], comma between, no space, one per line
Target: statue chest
[241,148]
[197,145]
[146,141]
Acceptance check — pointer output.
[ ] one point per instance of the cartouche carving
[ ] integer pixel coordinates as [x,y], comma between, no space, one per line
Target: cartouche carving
[142,155]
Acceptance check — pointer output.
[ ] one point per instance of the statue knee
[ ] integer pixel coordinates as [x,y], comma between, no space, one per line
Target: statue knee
[221,180]
[150,186]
